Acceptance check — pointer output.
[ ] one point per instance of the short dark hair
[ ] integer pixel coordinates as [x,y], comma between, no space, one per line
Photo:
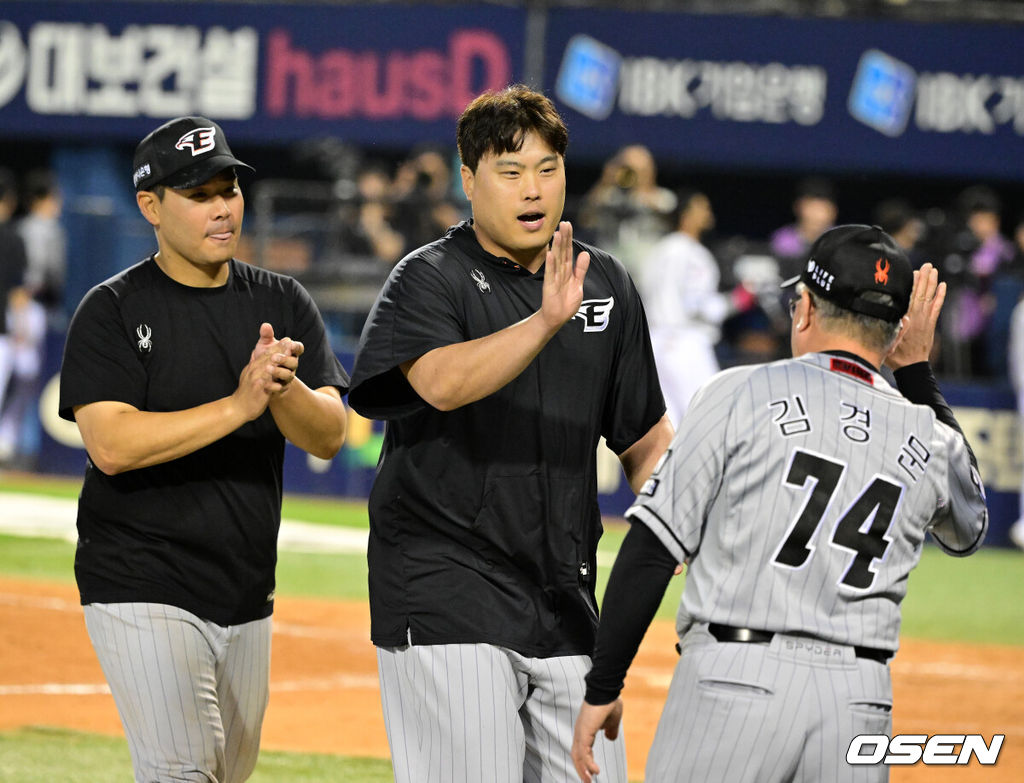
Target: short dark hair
[8,183]
[892,215]
[978,198]
[685,197]
[39,184]
[816,187]
[498,120]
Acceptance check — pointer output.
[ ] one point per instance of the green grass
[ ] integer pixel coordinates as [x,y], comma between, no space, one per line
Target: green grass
[37,558]
[321,576]
[973,600]
[43,755]
[305,508]
[298,574]
[326,511]
[40,485]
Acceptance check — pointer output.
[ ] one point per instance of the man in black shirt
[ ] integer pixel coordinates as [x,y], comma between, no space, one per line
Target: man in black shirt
[184,395]
[499,355]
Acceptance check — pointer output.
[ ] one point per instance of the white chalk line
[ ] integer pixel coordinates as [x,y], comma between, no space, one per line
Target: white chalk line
[37,516]
[342,682]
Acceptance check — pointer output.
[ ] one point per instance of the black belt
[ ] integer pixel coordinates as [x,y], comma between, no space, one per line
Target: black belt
[729,633]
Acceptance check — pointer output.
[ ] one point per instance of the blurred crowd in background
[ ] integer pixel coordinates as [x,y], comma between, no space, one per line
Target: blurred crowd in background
[33,264]
[979,253]
[712,296]
[382,210]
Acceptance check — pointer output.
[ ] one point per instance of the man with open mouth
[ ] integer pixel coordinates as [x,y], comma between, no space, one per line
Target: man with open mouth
[499,355]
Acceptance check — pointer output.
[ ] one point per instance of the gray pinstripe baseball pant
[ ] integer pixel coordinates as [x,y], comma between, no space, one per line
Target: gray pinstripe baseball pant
[466,713]
[191,694]
[767,713]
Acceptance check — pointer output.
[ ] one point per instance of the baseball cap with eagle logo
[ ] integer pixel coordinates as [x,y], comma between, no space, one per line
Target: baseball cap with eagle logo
[849,265]
[182,153]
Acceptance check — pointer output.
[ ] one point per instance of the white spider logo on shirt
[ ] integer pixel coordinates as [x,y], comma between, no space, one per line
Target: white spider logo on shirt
[144,333]
[481,281]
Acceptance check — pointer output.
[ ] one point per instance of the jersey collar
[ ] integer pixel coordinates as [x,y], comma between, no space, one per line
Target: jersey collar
[160,274]
[856,367]
[465,238]
[853,357]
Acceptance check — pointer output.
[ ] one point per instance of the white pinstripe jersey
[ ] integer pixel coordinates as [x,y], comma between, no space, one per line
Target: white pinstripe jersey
[800,492]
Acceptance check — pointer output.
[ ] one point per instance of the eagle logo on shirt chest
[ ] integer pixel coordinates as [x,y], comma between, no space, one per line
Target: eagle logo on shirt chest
[595,313]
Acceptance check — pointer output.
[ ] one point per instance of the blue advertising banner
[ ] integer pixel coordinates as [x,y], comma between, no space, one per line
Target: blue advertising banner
[712,90]
[792,94]
[388,74]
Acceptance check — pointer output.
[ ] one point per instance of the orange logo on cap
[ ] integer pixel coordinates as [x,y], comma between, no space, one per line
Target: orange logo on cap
[882,272]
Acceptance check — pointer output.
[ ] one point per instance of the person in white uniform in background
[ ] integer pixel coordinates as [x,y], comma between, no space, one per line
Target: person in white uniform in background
[679,288]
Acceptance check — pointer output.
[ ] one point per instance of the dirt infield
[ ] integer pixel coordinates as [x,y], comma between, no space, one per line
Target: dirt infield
[324,683]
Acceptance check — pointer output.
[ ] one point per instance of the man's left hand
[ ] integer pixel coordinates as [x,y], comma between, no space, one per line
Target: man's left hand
[592,719]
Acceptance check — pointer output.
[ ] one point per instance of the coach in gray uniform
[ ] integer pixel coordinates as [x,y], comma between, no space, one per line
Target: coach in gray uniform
[799,492]
[184,386]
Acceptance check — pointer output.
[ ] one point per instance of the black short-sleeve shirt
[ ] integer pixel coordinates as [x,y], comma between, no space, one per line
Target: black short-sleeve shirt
[198,532]
[484,520]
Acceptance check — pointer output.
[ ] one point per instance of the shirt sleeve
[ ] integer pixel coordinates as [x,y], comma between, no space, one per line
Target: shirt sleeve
[635,402]
[415,312]
[675,500]
[960,525]
[99,361]
[642,571]
[699,296]
[318,365]
[918,384]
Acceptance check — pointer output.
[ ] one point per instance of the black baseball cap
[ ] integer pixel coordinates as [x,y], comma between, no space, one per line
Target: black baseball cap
[846,262]
[182,153]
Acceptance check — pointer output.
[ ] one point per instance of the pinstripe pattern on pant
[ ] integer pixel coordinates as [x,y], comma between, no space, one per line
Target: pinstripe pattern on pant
[191,694]
[768,713]
[472,712]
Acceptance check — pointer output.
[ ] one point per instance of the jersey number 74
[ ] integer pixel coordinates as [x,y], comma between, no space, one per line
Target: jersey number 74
[862,528]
